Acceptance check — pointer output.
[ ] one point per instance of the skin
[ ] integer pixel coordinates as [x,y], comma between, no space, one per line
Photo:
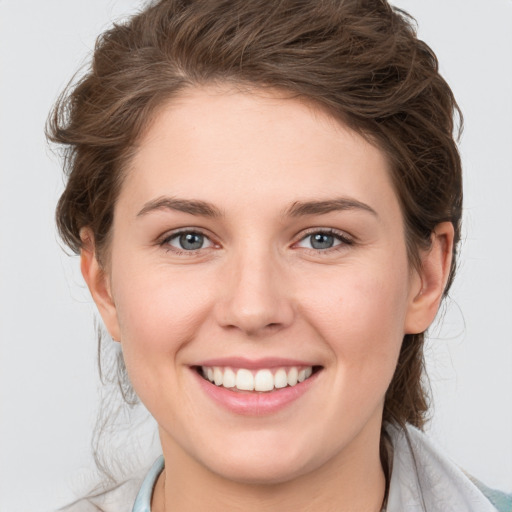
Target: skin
[258,289]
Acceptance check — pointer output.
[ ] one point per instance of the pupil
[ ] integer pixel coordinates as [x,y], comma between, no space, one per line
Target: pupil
[191,241]
[322,241]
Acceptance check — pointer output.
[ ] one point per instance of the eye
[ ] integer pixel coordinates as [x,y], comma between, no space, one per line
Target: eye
[323,240]
[188,241]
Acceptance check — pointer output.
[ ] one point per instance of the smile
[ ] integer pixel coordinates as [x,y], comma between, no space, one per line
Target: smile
[262,380]
[256,388]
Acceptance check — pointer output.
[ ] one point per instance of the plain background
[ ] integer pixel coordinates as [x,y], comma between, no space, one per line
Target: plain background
[48,380]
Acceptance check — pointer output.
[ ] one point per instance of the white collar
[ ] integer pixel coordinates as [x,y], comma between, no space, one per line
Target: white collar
[424,480]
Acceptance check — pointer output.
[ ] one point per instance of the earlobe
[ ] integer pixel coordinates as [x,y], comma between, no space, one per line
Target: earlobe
[430,280]
[98,283]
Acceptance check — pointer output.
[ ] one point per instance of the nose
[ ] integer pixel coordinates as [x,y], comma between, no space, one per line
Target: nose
[255,294]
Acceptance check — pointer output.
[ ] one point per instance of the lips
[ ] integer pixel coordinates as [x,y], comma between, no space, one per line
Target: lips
[255,388]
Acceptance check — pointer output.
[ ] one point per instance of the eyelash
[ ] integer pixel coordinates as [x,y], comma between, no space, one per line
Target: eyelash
[338,235]
[165,242]
[342,237]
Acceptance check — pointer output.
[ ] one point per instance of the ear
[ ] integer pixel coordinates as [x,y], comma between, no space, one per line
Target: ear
[99,284]
[429,281]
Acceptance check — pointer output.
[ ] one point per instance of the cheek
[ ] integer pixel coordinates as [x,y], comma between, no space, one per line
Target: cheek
[159,312]
[360,316]
[364,307]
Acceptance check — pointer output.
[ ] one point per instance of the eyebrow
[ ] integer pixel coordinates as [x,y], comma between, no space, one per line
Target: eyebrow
[302,208]
[194,207]
[297,209]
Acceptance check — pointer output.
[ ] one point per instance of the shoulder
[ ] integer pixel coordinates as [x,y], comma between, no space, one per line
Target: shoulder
[502,501]
[132,494]
[422,475]
[119,498]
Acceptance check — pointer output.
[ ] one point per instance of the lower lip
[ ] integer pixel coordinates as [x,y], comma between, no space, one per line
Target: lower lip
[254,403]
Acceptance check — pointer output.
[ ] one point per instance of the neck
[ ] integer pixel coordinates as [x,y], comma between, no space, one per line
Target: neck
[351,480]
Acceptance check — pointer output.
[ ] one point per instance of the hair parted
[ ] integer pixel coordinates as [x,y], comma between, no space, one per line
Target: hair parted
[359,60]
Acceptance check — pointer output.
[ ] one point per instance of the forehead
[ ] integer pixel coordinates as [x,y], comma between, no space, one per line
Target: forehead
[222,143]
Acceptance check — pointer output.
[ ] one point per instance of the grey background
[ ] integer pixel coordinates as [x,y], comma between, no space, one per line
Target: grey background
[48,382]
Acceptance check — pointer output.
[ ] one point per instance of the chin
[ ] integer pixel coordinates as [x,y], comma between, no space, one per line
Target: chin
[258,464]
[259,472]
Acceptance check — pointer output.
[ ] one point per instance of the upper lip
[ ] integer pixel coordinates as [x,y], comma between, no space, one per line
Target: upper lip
[254,364]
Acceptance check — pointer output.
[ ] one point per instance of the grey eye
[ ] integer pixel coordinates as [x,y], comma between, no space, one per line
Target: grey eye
[322,241]
[190,241]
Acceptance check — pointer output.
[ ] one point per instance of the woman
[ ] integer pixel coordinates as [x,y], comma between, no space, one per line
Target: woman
[266,198]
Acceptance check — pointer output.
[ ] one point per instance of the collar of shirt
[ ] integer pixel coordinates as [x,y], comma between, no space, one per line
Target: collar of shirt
[422,479]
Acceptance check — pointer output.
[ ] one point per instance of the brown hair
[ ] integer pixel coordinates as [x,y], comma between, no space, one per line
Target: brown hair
[358,59]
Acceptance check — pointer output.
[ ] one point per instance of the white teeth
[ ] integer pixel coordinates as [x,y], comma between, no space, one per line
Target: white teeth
[264,380]
[292,376]
[244,380]
[218,376]
[280,379]
[261,380]
[229,379]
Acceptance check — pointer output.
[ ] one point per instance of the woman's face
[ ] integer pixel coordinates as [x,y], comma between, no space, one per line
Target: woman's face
[257,241]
